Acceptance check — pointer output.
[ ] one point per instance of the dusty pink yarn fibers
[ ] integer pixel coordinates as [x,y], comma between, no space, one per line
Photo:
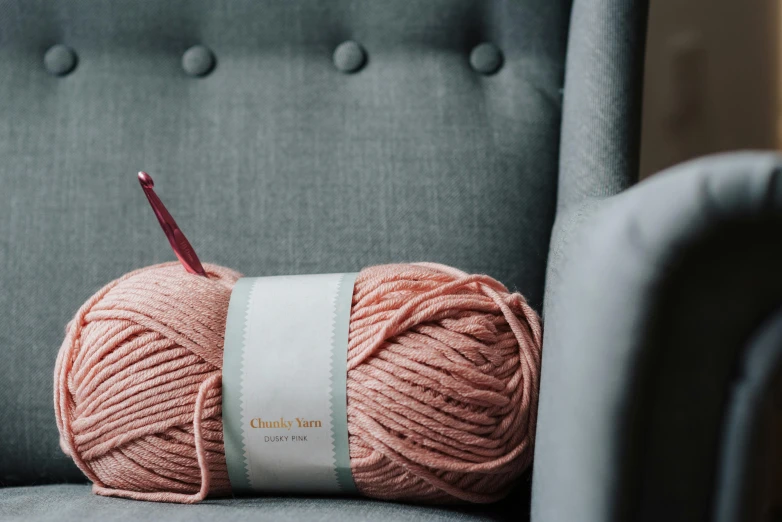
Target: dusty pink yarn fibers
[442,380]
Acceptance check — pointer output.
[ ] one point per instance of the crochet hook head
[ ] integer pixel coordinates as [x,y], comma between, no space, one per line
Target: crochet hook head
[176,238]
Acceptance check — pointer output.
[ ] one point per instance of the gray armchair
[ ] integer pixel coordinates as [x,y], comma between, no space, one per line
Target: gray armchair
[662,349]
[313,136]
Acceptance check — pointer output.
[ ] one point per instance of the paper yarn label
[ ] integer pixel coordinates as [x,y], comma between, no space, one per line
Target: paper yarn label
[284,384]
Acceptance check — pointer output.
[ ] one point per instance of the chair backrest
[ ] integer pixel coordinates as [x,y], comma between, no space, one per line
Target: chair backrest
[285,137]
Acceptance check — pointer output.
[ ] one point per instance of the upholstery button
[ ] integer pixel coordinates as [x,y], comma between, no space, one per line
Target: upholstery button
[349,57]
[198,61]
[59,60]
[486,58]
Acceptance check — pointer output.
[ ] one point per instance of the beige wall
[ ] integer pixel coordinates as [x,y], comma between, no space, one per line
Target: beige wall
[712,79]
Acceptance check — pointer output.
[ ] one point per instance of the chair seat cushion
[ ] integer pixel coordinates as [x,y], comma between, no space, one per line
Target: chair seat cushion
[66,502]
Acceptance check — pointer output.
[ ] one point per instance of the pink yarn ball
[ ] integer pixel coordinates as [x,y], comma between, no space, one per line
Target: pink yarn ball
[442,384]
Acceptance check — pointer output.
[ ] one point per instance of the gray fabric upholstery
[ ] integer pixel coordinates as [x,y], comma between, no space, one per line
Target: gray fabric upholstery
[602,102]
[441,134]
[76,503]
[271,159]
[649,305]
[751,424]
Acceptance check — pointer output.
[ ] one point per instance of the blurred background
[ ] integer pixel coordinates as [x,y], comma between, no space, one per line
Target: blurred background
[712,79]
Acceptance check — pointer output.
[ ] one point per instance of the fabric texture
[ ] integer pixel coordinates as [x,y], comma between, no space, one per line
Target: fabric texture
[77,503]
[601,132]
[752,419]
[651,301]
[273,162]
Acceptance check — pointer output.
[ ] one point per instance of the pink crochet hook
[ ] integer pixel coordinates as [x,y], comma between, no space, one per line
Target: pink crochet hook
[179,242]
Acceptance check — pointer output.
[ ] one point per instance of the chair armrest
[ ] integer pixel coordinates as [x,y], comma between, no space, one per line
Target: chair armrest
[652,296]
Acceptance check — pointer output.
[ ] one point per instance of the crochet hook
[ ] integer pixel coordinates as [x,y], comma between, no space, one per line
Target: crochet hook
[179,243]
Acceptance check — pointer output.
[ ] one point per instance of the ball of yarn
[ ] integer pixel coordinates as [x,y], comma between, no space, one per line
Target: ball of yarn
[442,384]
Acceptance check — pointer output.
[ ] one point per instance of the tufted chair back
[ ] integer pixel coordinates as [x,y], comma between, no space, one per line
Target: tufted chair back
[289,137]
